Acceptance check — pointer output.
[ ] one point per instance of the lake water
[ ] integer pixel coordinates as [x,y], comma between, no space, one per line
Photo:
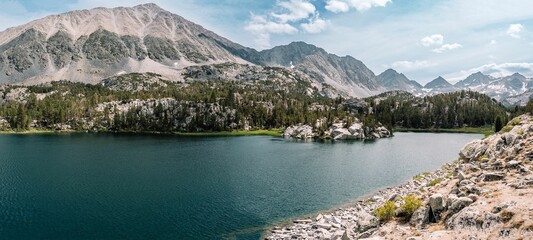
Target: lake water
[99,186]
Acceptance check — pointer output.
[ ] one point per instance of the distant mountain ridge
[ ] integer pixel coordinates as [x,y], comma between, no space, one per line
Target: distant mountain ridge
[515,89]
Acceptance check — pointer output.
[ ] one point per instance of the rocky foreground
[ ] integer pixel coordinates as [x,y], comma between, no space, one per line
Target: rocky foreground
[486,194]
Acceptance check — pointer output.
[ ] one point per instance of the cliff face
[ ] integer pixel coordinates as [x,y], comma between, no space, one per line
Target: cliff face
[486,194]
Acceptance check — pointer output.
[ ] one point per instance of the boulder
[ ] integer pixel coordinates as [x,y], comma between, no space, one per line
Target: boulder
[461,175]
[420,217]
[356,128]
[470,218]
[473,151]
[341,134]
[366,222]
[460,203]
[489,177]
[437,205]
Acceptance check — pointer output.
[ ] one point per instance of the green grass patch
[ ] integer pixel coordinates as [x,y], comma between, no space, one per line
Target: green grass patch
[421,176]
[486,131]
[515,122]
[434,182]
[271,132]
[35,131]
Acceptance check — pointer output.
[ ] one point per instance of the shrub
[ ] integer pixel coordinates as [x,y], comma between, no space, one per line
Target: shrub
[515,122]
[410,205]
[434,182]
[507,128]
[386,212]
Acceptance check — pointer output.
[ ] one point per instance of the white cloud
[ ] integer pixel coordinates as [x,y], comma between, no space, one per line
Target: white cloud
[514,30]
[497,70]
[433,40]
[337,6]
[261,27]
[289,17]
[493,42]
[447,47]
[315,25]
[412,65]
[294,10]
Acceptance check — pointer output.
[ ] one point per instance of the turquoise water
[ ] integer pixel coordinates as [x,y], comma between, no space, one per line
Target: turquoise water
[94,186]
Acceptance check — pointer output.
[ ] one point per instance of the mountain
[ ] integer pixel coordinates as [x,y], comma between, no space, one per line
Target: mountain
[346,74]
[90,45]
[515,89]
[392,80]
[474,80]
[439,83]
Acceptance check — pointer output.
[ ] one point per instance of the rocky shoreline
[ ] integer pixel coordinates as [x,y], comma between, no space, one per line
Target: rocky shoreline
[486,194]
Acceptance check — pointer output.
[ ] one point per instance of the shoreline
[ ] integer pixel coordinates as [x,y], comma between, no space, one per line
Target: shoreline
[370,200]
[237,133]
[487,131]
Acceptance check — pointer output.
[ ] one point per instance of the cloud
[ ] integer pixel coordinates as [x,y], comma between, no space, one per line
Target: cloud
[493,42]
[337,6]
[447,47]
[315,25]
[294,10]
[514,30]
[498,70]
[412,65]
[289,17]
[433,40]
[262,28]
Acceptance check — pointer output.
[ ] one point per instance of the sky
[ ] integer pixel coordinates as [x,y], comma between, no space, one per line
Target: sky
[423,39]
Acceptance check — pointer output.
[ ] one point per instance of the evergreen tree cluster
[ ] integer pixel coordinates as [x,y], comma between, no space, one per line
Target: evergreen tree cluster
[449,110]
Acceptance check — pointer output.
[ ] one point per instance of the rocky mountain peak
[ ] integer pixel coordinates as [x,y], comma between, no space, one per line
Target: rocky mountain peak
[439,82]
[473,80]
[392,80]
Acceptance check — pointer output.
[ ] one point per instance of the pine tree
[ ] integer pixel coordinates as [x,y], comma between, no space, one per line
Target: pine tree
[498,125]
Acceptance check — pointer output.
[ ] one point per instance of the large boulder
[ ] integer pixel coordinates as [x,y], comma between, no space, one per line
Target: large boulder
[357,129]
[366,221]
[458,204]
[470,218]
[299,132]
[437,205]
[341,134]
[473,150]
[420,217]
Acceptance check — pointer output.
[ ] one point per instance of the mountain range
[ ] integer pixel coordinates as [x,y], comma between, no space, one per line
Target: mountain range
[510,90]
[91,45]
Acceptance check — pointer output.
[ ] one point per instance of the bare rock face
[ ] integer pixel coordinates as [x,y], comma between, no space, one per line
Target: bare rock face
[88,46]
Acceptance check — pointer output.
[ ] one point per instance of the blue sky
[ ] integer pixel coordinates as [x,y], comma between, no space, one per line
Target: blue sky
[421,38]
